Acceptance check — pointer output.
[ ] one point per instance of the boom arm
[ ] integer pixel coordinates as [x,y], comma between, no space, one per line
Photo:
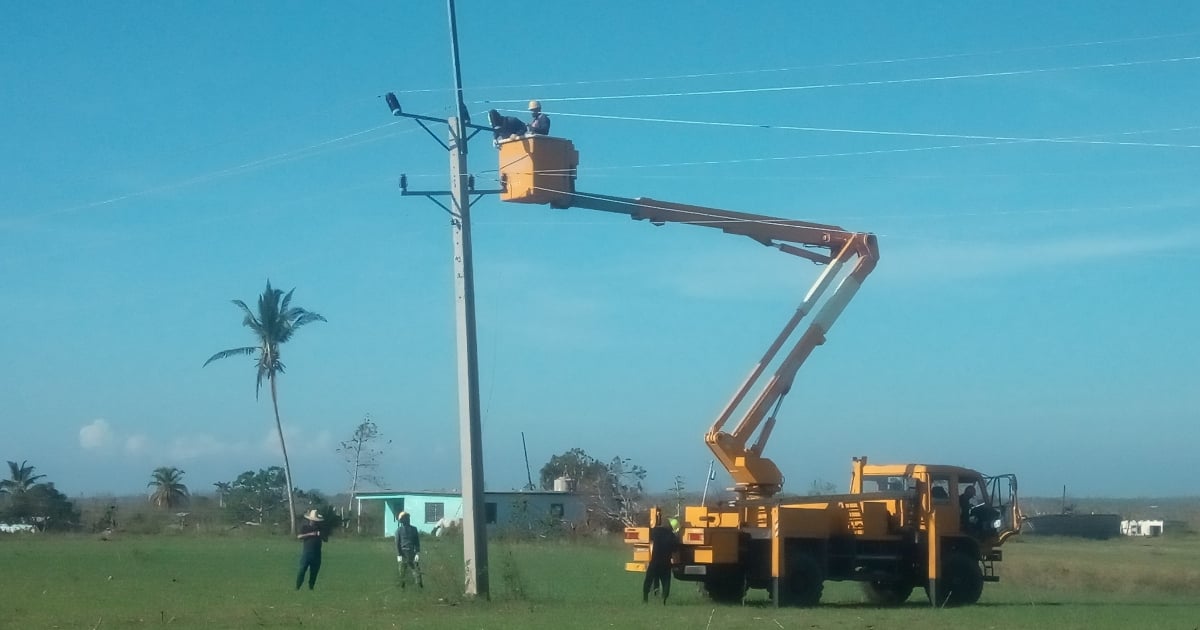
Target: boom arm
[753,474]
[542,170]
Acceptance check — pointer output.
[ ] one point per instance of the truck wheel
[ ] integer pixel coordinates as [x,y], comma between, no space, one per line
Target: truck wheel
[725,587]
[804,583]
[887,593]
[961,582]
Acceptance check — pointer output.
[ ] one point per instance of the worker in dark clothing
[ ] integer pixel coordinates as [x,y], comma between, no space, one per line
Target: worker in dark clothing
[663,542]
[408,549]
[539,123]
[310,557]
[504,127]
[966,501]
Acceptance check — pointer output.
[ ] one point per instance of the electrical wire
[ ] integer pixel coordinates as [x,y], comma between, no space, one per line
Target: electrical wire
[280,158]
[190,223]
[312,148]
[316,148]
[848,64]
[878,132]
[793,88]
[486,173]
[592,169]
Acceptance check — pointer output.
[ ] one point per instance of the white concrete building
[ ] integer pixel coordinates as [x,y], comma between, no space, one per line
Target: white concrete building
[1144,527]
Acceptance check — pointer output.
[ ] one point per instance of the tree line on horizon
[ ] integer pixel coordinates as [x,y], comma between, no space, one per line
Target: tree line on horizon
[613,489]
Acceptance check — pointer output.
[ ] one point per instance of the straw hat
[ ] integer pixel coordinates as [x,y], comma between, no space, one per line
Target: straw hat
[313,516]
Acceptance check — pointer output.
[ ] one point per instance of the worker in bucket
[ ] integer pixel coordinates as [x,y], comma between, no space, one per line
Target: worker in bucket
[504,127]
[408,550]
[663,542]
[539,123]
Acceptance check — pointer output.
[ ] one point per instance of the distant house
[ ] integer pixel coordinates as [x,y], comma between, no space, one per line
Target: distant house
[430,510]
[1145,527]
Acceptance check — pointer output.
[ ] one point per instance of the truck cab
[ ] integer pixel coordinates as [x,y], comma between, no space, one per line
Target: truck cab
[964,502]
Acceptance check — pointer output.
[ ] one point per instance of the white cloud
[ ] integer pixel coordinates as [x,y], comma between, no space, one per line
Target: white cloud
[102,437]
[137,444]
[299,441]
[96,435]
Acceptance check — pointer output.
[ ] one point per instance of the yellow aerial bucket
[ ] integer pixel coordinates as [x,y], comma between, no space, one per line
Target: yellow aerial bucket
[538,169]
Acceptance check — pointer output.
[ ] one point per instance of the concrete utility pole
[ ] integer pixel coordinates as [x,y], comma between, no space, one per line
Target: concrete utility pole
[470,441]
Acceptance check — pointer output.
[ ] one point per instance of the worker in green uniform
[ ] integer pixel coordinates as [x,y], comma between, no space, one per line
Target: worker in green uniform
[408,550]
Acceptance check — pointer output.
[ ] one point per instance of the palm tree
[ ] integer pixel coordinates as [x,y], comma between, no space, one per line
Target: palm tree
[21,481]
[275,323]
[169,490]
[223,488]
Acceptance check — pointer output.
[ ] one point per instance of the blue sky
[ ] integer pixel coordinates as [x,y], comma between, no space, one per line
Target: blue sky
[1033,310]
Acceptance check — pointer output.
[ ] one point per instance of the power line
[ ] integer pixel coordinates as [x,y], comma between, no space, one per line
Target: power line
[877,132]
[189,222]
[590,169]
[315,148]
[819,86]
[892,176]
[844,64]
[280,158]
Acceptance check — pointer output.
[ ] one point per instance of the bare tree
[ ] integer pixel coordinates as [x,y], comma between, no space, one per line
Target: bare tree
[820,486]
[622,493]
[362,457]
[613,491]
[679,492]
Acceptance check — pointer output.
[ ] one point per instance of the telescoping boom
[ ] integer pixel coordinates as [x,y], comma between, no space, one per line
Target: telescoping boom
[541,170]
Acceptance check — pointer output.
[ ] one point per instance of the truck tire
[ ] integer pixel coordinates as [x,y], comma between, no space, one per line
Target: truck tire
[961,581]
[804,582]
[725,587]
[887,593]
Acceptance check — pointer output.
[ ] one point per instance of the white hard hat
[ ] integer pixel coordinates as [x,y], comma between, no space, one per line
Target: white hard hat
[534,105]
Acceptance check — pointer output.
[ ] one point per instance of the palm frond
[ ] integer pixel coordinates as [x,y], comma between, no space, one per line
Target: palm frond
[274,323]
[249,320]
[287,299]
[245,309]
[306,317]
[233,352]
[22,478]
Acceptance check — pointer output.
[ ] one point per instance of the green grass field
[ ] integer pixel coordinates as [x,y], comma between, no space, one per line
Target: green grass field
[237,582]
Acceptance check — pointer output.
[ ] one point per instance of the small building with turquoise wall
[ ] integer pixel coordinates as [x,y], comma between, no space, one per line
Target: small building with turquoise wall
[429,511]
